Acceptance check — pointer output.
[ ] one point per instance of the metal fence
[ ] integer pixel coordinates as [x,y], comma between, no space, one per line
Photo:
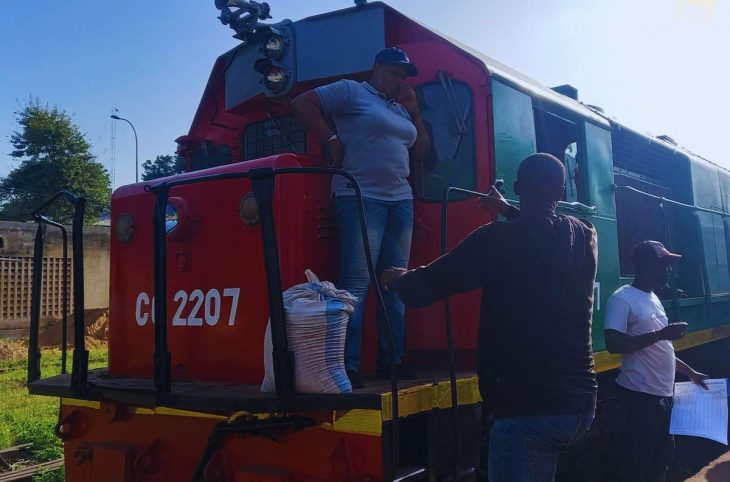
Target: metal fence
[16,276]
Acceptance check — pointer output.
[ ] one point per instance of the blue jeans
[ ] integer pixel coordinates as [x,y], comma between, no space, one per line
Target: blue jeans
[526,449]
[390,225]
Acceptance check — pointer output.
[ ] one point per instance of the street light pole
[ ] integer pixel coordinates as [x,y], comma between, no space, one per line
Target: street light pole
[136,146]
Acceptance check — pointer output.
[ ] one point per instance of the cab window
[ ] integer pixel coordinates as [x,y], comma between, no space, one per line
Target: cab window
[210,155]
[559,136]
[447,107]
[274,135]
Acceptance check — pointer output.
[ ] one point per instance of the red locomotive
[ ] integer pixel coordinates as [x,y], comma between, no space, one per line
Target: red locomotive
[180,400]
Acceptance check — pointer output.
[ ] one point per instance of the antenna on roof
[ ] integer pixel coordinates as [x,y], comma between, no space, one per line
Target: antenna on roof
[361,3]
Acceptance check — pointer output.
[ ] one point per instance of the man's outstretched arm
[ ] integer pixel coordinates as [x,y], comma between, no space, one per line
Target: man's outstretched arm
[462,269]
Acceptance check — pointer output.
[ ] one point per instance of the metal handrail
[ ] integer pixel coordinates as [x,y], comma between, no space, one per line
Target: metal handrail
[449,324]
[673,202]
[80,364]
[64,287]
[262,180]
[703,266]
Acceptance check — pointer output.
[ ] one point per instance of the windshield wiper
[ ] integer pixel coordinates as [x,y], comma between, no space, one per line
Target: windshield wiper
[460,120]
[284,130]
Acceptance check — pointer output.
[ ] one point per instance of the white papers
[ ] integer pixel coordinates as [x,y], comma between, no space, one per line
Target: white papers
[700,412]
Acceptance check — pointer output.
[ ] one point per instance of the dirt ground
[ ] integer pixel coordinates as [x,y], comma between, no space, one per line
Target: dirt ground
[717,471]
[96,327]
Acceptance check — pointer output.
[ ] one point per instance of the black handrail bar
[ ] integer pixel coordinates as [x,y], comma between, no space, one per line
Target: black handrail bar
[64,287]
[80,364]
[262,180]
[162,359]
[34,351]
[673,202]
[72,198]
[697,209]
[449,324]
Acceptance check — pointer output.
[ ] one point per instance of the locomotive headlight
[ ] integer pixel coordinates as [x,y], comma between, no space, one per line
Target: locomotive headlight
[124,228]
[274,46]
[180,221]
[275,78]
[249,210]
[171,218]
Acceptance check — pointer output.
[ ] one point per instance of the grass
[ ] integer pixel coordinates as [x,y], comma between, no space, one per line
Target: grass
[26,418]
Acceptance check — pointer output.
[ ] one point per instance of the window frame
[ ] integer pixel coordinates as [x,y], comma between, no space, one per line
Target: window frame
[271,119]
[474,157]
[210,145]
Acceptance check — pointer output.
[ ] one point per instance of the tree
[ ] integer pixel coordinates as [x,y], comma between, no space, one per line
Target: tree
[162,166]
[55,156]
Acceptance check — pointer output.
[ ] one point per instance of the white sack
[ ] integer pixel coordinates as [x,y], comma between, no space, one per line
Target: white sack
[316,323]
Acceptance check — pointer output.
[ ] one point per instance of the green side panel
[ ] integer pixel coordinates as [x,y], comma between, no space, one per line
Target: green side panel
[707,194]
[695,312]
[597,179]
[599,163]
[725,203]
[607,278]
[514,132]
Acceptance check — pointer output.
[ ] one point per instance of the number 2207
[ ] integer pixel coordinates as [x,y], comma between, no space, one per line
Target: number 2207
[205,306]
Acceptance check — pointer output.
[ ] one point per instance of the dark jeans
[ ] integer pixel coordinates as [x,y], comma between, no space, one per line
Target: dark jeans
[645,446]
[526,449]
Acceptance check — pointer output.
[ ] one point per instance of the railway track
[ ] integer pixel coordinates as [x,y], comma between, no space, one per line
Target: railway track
[18,455]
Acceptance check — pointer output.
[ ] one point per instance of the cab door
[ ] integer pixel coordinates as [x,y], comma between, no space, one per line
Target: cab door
[452,89]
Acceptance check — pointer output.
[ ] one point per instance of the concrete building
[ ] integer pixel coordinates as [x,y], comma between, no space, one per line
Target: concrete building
[16,270]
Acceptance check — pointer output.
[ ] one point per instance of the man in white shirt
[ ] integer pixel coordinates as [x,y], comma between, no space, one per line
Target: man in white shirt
[637,327]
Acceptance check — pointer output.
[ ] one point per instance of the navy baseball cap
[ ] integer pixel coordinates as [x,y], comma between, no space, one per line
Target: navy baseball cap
[396,56]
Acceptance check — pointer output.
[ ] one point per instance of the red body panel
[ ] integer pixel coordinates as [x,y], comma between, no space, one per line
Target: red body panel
[163,448]
[220,253]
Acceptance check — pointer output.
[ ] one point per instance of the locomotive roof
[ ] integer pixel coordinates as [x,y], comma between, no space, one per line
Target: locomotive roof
[511,77]
[537,89]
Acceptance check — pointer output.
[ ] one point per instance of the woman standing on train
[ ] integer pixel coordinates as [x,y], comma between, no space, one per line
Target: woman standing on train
[378,130]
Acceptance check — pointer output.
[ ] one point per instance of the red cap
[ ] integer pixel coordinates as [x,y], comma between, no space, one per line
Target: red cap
[652,251]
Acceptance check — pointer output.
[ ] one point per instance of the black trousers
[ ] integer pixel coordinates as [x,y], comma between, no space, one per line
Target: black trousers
[645,446]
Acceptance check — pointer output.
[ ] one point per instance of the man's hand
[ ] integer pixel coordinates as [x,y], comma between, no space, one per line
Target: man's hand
[390,276]
[673,331]
[699,379]
[495,202]
[407,98]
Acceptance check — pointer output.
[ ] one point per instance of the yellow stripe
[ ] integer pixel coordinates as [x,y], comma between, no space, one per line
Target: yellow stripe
[429,396]
[81,403]
[368,422]
[606,361]
[173,412]
[702,337]
[411,400]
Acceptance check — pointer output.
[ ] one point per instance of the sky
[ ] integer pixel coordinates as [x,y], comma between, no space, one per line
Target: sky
[659,66]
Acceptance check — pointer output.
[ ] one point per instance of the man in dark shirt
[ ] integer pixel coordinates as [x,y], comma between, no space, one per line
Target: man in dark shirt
[534,347]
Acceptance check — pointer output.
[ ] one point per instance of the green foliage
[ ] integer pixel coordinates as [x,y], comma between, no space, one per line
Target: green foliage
[162,166]
[39,432]
[26,418]
[54,156]
[57,475]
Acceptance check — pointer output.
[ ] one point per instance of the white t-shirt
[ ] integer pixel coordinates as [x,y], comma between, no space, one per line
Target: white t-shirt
[651,369]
